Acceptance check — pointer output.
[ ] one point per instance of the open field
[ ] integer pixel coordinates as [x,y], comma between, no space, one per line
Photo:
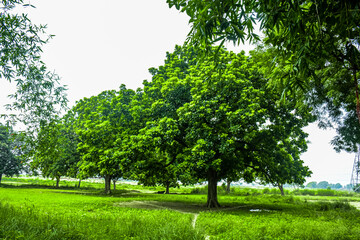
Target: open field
[39,211]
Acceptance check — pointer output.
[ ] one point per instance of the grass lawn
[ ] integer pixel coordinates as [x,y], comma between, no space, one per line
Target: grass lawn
[29,211]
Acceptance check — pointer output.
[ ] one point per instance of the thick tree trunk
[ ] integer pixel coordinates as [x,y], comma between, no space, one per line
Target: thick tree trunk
[107,184]
[281,187]
[212,201]
[79,183]
[57,182]
[167,188]
[114,182]
[228,184]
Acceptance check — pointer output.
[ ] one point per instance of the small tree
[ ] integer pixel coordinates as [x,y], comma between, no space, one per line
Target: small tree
[311,185]
[10,164]
[55,153]
[323,185]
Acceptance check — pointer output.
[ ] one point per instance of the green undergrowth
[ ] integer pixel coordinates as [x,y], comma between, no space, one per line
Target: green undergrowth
[43,212]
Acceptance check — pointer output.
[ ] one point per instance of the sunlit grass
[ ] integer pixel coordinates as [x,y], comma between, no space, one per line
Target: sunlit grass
[40,211]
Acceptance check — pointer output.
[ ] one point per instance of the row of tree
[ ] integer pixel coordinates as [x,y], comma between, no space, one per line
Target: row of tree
[217,118]
[324,185]
[194,122]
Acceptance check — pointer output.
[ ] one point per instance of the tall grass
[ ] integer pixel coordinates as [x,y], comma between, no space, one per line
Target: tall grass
[69,216]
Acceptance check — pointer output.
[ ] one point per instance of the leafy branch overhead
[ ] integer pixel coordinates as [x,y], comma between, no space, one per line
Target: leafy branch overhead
[39,95]
[313,51]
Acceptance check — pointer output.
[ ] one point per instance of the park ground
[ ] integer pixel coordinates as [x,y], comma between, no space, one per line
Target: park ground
[35,209]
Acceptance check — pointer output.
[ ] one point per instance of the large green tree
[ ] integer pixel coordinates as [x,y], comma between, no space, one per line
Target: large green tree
[211,120]
[234,123]
[316,41]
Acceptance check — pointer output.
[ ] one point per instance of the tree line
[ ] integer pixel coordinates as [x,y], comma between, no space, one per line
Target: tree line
[193,122]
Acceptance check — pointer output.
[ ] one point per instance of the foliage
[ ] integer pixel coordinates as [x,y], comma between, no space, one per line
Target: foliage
[233,124]
[311,185]
[155,151]
[213,120]
[56,152]
[103,122]
[297,34]
[324,185]
[38,95]
[10,162]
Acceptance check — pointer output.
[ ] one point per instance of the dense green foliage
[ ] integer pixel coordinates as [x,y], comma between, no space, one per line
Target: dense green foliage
[210,121]
[102,123]
[314,51]
[56,152]
[194,122]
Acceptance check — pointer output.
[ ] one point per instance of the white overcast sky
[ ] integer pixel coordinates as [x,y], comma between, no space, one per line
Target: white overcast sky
[99,45]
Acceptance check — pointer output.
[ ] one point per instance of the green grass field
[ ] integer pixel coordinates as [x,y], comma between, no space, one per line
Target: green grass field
[34,209]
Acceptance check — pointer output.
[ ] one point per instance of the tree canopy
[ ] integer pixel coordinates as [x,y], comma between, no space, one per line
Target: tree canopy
[206,124]
[102,122]
[315,46]
[56,152]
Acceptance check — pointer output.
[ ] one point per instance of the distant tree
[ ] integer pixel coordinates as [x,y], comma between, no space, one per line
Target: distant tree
[311,185]
[323,185]
[337,186]
[10,164]
[55,152]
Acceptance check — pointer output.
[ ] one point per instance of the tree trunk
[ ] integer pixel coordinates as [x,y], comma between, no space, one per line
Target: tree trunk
[79,183]
[212,201]
[57,182]
[0,177]
[228,183]
[281,187]
[107,184]
[114,182]
[167,187]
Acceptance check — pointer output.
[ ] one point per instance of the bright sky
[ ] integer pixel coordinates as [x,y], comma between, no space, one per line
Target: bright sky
[99,45]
